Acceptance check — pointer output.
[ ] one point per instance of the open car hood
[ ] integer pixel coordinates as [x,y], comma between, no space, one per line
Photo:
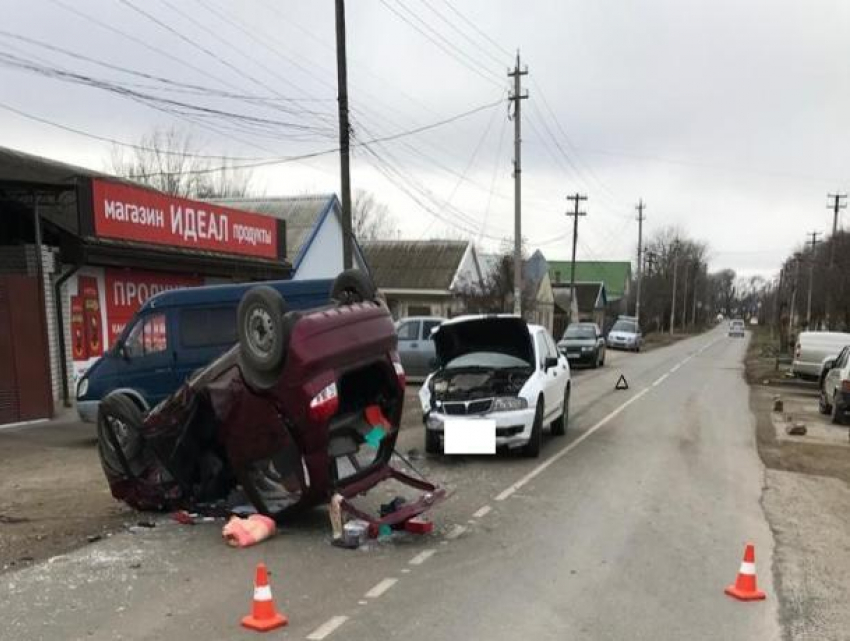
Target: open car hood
[502,334]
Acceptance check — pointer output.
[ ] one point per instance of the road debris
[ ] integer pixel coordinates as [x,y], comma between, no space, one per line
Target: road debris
[243,533]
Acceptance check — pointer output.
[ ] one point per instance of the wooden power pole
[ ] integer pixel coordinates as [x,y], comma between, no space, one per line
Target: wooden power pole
[576,199]
[344,131]
[516,97]
[640,219]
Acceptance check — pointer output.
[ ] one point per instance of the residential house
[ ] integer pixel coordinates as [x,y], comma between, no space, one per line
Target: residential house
[423,277]
[538,297]
[591,299]
[616,275]
[313,226]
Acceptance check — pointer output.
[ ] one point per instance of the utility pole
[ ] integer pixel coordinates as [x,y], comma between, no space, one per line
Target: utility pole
[576,199]
[836,206]
[813,242]
[516,97]
[640,219]
[675,274]
[344,131]
[685,299]
[694,308]
[797,260]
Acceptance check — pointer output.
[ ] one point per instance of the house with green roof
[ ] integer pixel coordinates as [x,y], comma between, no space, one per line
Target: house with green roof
[615,274]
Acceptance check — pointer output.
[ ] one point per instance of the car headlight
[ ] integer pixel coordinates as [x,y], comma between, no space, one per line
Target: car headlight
[82,387]
[508,403]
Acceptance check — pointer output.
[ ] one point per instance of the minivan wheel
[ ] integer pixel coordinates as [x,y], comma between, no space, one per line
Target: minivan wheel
[263,332]
[532,448]
[352,286]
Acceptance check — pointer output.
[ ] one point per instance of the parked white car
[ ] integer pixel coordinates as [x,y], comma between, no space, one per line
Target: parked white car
[736,328]
[496,370]
[834,396]
[813,348]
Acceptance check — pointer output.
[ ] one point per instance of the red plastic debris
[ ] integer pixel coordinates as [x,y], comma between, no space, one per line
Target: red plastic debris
[419,525]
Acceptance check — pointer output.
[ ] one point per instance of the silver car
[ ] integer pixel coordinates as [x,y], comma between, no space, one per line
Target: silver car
[625,334]
[415,346]
[835,387]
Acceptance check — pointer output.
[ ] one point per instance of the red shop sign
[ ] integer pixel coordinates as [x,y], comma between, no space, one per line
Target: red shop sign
[132,213]
[128,289]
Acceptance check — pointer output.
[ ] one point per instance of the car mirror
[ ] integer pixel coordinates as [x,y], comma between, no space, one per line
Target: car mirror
[550,362]
[829,364]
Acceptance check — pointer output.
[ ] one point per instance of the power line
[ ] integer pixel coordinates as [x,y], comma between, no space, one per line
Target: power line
[450,50]
[476,28]
[463,34]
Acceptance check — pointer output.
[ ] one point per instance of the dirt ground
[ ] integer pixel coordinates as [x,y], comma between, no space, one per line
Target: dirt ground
[806,494]
[53,495]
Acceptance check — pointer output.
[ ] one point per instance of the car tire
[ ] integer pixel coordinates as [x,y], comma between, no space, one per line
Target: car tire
[432,443]
[602,363]
[823,406]
[560,424]
[532,448]
[595,360]
[119,439]
[263,329]
[352,286]
[836,413]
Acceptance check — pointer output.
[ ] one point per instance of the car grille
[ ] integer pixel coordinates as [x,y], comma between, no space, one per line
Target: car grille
[461,408]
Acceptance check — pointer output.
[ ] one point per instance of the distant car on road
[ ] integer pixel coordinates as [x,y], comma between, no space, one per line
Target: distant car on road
[415,347]
[812,349]
[496,368]
[834,395]
[583,343]
[625,334]
[736,327]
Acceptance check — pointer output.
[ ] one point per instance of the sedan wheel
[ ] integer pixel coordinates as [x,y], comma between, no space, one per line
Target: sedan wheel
[837,413]
[823,406]
[532,448]
[560,424]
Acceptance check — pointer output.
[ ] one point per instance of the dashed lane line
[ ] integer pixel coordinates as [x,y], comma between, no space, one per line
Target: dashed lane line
[423,556]
[382,587]
[327,628]
[482,512]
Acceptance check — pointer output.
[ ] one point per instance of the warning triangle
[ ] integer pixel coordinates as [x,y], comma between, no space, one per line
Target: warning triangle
[622,383]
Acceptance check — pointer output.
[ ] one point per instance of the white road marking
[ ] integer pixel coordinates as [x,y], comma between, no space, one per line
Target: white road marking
[362,602]
[457,530]
[481,512]
[382,587]
[327,628]
[676,367]
[405,570]
[660,380]
[569,448]
[423,556]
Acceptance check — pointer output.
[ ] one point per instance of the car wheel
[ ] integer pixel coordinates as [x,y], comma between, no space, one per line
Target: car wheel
[823,406]
[532,448]
[595,360]
[560,424]
[432,442]
[602,362]
[119,440]
[352,286]
[837,415]
[263,332]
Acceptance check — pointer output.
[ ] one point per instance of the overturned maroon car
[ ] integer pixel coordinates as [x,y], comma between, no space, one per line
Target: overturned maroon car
[307,405]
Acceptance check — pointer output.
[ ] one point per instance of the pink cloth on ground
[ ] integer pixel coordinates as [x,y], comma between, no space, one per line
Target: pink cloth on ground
[242,533]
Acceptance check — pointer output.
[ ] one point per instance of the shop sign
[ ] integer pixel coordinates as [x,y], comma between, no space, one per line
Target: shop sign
[132,213]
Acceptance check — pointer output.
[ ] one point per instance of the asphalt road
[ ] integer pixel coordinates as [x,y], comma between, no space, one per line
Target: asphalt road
[627,528]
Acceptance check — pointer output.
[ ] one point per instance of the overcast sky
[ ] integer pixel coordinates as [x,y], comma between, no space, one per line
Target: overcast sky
[730,118]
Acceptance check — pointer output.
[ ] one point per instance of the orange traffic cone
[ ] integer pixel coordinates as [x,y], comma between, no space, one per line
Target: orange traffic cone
[745,585]
[263,615]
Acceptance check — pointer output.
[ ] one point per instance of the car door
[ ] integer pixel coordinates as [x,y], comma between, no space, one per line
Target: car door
[408,346]
[200,335]
[833,377]
[427,351]
[562,370]
[549,377]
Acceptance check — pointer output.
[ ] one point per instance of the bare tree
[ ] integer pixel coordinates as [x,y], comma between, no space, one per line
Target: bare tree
[370,219]
[168,160]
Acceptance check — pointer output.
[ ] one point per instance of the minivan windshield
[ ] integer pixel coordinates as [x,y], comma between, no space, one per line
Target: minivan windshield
[580,331]
[624,326]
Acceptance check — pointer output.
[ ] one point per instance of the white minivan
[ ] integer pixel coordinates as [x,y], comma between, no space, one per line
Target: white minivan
[813,348]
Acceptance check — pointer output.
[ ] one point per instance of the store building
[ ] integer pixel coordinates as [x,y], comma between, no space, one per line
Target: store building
[80,252]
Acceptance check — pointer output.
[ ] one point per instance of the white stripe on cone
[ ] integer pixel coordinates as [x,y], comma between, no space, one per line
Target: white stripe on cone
[262,593]
[748,568]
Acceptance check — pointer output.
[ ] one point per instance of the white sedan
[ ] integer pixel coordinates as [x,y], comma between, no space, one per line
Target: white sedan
[499,377]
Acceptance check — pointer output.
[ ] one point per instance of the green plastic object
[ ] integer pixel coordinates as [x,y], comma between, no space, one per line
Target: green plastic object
[374,437]
[385,530]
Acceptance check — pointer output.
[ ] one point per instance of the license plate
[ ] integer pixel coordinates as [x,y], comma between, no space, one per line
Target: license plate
[469,436]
